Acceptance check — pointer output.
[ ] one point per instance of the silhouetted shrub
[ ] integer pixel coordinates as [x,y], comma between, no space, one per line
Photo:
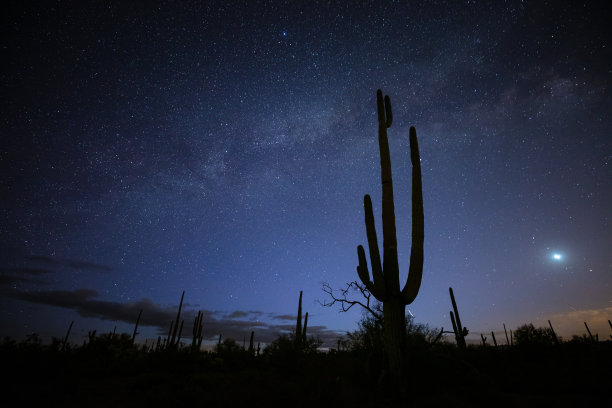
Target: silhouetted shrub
[228,346]
[369,335]
[285,346]
[528,335]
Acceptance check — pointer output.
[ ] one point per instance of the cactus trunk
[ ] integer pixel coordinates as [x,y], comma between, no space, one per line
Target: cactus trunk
[251,349]
[589,331]
[394,335]
[136,327]
[506,333]
[460,331]
[298,326]
[65,342]
[174,340]
[304,329]
[555,338]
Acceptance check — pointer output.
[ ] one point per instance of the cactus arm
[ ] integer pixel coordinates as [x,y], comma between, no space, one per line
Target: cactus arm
[462,331]
[388,112]
[385,115]
[377,273]
[415,271]
[452,316]
[364,275]
[304,330]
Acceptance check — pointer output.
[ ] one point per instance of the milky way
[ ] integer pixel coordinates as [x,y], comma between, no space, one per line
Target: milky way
[225,151]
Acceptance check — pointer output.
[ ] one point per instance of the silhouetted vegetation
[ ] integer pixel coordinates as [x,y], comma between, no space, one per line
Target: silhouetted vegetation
[528,336]
[109,369]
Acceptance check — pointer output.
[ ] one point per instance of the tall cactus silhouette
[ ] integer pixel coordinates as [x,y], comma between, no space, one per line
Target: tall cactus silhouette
[136,327]
[460,331]
[196,341]
[385,286]
[174,341]
[300,333]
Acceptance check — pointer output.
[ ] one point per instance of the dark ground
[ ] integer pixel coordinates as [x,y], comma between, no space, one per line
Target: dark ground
[115,375]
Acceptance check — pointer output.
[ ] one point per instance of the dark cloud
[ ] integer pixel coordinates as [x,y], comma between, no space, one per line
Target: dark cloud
[85,302]
[238,314]
[33,271]
[39,258]
[11,280]
[88,265]
[283,317]
[70,263]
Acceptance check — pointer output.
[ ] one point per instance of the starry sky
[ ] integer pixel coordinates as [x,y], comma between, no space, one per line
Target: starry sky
[224,148]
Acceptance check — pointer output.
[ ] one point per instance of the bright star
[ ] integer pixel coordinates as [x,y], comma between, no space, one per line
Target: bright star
[557,257]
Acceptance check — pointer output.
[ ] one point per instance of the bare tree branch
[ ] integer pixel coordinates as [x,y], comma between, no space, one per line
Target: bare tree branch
[344,300]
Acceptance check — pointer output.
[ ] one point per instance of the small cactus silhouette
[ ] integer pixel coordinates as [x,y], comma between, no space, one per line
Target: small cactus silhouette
[196,341]
[460,331]
[554,335]
[136,327]
[300,333]
[174,341]
[65,341]
[251,348]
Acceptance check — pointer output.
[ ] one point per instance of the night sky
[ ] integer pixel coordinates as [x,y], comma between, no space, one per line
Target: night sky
[224,148]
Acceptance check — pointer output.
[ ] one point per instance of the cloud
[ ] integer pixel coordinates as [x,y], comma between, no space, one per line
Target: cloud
[233,325]
[12,279]
[87,265]
[571,322]
[284,317]
[71,263]
[33,271]
[237,314]
[40,258]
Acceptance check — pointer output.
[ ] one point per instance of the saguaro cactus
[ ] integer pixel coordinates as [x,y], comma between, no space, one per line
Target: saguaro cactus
[298,326]
[593,339]
[300,333]
[136,327]
[494,341]
[65,341]
[251,349]
[385,285]
[506,333]
[554,335]
[460,331]
[304,329]
[196,341]
[174,340]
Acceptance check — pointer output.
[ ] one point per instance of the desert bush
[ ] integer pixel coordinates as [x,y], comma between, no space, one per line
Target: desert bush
[528,335]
